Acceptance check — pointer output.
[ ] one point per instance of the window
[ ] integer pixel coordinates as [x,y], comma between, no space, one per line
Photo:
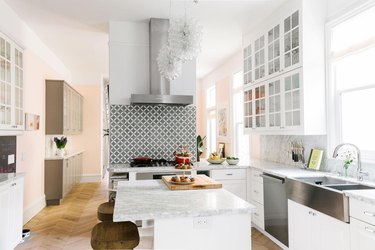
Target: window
[211,119]
[240,140]
[351,99]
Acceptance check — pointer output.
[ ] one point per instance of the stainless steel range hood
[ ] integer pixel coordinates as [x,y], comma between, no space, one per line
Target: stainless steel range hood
[159,86]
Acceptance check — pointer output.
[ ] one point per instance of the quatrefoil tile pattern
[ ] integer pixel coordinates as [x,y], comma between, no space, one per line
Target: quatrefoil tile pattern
[153,131]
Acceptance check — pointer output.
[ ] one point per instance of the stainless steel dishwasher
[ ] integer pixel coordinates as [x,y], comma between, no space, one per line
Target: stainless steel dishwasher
[275,207]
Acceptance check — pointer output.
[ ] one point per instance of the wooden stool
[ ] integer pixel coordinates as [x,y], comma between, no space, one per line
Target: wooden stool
[114,235]
[105,211]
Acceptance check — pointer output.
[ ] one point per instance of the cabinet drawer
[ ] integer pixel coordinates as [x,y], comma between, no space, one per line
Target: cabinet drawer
[362,211]
[229,174]
[362,235]
[257,192]
[258,216]
[256,175]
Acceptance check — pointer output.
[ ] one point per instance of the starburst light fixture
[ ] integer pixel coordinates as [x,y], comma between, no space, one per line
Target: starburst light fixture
[170,66]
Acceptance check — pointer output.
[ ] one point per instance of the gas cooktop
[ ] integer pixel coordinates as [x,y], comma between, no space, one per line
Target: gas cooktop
[153,163]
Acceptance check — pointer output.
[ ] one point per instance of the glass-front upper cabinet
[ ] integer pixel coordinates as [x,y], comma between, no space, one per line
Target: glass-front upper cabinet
[11,85]
[292,36]
[248,65]
[292,99]
[274,103]
[248,108]
[259,56]
[274,50]
[260,106]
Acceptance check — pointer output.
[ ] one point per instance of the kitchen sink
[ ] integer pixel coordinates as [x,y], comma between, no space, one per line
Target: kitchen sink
[324,180]
[350,187]
[324,194]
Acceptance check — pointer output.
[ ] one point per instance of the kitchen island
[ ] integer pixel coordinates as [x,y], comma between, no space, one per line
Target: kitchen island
[189,219]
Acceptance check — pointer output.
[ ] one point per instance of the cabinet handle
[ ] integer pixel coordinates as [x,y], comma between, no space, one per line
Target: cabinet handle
[369,230]
[369,213]
[256,191]
[312,213]
[229,174]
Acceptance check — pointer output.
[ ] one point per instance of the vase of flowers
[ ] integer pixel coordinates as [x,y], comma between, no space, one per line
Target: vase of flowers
[60,144]
[348,158]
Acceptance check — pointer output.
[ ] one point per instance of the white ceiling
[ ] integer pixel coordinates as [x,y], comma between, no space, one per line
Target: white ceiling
[77,31]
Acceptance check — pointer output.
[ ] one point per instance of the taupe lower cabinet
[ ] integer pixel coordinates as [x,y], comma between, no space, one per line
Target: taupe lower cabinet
[60,177]
[63,109]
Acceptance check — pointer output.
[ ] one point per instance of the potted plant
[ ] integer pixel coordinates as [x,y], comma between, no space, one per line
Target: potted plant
[200,147]
[60,144]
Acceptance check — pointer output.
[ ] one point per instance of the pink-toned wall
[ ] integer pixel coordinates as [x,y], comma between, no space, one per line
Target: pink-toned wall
[90,139]
[221,77]
[31,145]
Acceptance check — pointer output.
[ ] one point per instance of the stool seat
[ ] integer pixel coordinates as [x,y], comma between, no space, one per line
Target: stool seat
[105,211]
[114,235]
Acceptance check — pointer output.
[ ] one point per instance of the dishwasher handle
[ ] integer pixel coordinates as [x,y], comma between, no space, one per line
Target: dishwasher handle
[273,178]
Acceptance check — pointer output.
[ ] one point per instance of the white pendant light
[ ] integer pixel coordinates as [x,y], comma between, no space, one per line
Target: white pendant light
[170,66]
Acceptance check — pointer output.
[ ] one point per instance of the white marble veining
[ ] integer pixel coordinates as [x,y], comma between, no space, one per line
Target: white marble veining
[151,199]
[367,195]
[68,155]
[9,177]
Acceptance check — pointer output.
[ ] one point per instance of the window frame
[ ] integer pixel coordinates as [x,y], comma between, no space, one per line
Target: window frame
[208,110]
[333,97]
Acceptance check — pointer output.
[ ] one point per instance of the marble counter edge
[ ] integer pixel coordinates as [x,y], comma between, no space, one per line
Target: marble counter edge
[55,157]
[149,216]
[12,177]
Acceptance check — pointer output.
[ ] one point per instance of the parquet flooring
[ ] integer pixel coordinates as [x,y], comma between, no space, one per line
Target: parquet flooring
[68,226]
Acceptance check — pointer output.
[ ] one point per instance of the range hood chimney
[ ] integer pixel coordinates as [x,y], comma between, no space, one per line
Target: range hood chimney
[159,86]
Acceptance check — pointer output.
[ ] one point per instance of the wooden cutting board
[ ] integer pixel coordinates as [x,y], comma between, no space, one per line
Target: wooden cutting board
[201,182]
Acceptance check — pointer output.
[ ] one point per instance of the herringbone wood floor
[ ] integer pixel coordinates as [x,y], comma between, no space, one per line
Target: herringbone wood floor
[68,226]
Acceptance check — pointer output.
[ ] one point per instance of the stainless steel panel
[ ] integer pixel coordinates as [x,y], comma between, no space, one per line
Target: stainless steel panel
[182,100]
[330,202]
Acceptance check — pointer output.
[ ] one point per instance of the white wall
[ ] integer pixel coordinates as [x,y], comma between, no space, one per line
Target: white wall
[129,71]
[18,31]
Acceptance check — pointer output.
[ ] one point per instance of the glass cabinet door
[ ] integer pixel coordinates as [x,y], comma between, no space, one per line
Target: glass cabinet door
[5,84]
[274,50]
[291,40]
[248,65]
[259,63]
[292,93]
[260,106]
[248,108]
[274,104]
[18,88]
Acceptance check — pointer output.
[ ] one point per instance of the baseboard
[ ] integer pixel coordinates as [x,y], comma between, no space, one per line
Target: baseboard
[91,178]
[33,209]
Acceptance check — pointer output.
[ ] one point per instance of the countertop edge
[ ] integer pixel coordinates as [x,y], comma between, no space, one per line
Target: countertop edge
[51,158]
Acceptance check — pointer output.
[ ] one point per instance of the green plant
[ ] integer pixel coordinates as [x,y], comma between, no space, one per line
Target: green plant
[200,145]
[60,143]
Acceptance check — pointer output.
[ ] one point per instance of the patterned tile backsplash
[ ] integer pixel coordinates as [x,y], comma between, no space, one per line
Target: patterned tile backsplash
[148,130]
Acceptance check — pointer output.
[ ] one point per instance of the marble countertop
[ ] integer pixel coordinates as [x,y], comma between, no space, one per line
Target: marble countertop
[151,199]
[68,155]
[366,195]
[9,177]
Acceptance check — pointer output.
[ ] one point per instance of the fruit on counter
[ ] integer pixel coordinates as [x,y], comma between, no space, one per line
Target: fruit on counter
[215,156]
[232,158]
[183,166]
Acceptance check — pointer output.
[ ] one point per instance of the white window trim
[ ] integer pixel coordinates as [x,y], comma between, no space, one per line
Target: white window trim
[333,99]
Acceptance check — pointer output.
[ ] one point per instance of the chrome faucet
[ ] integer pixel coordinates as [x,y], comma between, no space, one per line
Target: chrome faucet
[360,173]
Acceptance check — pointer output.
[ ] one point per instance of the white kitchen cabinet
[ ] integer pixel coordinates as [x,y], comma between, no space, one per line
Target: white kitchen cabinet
[310,229]
[295,45]
[255,197]
[233,180]
[11,213]
[63,109]
[11,87]
[362,225]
